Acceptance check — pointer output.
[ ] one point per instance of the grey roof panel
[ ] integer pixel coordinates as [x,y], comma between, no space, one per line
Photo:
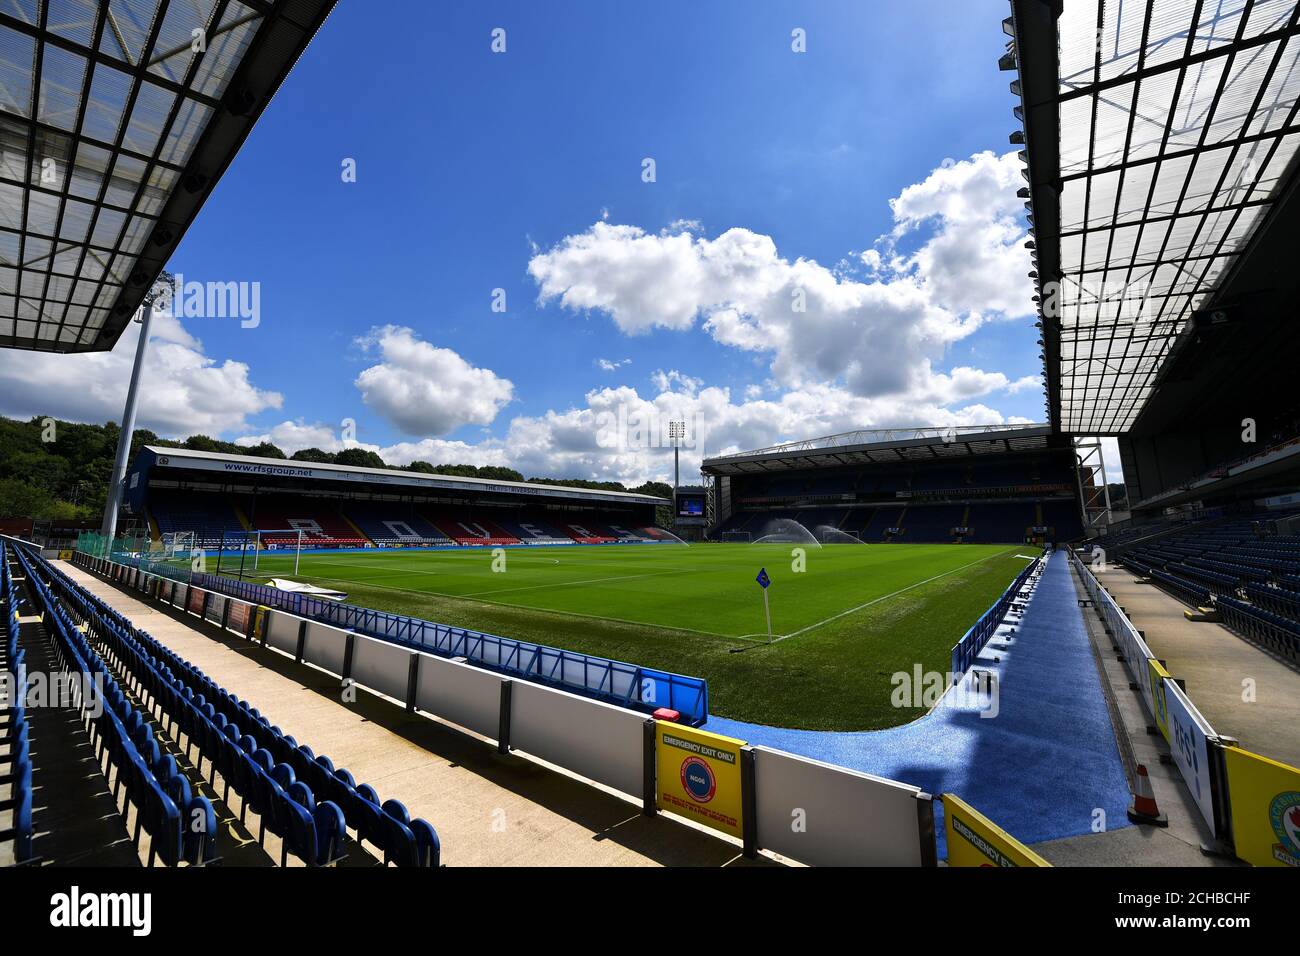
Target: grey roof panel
[1154,154]
[113,131]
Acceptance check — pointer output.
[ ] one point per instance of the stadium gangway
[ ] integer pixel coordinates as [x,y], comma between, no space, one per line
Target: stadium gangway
[616,682]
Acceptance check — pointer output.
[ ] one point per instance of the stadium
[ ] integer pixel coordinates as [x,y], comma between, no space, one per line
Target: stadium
[929,646]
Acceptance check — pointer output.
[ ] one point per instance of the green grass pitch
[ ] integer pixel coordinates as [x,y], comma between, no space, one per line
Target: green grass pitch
[854,615]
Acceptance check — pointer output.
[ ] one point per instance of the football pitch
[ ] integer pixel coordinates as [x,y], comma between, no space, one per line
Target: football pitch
[844,617]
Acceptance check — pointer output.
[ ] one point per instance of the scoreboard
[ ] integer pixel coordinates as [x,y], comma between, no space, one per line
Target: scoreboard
[690,507]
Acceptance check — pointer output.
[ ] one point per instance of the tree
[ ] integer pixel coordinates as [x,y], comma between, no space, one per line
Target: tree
[48,472]
[264,450]
[657,488]
[664,515]
[359,458]
[490,472]
[458,471]
[581,483]
[316,455]
[201,443]
[1118,496]
[18,499]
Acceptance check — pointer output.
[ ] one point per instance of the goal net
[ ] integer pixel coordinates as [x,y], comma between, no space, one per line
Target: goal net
[282,542]
[177,544]
[828,535]
[736,537]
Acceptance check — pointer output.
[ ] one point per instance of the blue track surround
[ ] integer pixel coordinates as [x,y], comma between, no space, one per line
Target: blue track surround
[966,651]
[1039,769]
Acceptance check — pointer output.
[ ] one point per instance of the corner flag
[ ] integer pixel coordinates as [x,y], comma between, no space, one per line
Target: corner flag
[763,582]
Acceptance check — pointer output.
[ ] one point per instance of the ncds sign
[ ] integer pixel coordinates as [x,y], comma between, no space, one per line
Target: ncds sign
[699,776]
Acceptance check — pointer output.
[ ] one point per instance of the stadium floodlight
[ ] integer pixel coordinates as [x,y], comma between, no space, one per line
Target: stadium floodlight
[163,287]
[676,432]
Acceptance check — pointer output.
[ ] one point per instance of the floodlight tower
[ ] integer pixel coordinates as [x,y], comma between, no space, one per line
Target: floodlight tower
[676,432]
[163,287]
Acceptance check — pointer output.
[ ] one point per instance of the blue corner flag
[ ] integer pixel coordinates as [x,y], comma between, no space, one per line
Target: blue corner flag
[762,578]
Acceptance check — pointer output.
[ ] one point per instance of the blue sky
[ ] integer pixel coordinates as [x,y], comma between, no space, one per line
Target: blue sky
[522,171]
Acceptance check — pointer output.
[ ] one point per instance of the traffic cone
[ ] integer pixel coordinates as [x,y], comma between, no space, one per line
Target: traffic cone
[1143,809]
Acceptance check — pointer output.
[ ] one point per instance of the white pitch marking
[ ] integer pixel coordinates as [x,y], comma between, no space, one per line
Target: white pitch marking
[565,584]
[885,597]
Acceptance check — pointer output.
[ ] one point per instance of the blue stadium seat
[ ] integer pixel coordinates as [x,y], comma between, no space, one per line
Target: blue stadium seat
[246,760]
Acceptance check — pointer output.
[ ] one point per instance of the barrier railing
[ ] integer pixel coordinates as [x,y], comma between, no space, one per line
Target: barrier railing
[1239,794]
[864,819]
[972,642]
[626,685]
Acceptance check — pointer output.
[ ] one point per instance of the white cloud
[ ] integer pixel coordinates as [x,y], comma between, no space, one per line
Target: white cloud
[674,380]
[425,390]
[292,436]
[1110,455]
[681,225]
[439,451]
[963,383]
[607,365]
[1026,383]
[618,434]
[642,281]
[183,390]
[877,338]
[860,354]
[976,260]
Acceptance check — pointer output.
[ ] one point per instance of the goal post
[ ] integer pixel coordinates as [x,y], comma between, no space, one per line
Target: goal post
[736,537]
[197,550]
[238,552]
[278,540]
[177,544]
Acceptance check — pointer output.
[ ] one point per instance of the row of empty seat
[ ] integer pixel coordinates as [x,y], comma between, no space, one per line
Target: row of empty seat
[1253,580]
[992,522]
[15,747]
[904,477]
[1278,632]
[299,797]
[181,827]
[215,521]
